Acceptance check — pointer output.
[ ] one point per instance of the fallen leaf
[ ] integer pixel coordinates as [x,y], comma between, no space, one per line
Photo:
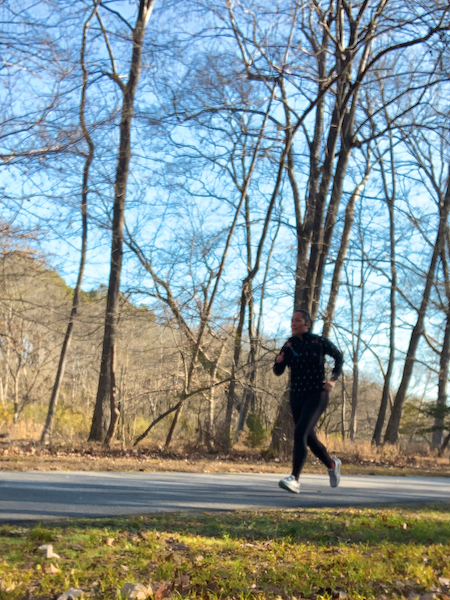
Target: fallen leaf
[428,596]
[181,582]
[110,541]
[124,568]
[136,591]
[273,589]
[178,546]
[71,594]
[162,592]
[444,581]
[405,525]
[152,565]
[77,547]
[199,559]
[47,549]
[52,570]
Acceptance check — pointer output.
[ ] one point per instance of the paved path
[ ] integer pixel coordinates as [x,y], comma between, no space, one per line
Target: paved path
[38,496]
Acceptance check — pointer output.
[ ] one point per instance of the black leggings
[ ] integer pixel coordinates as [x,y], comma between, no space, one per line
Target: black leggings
[306,413]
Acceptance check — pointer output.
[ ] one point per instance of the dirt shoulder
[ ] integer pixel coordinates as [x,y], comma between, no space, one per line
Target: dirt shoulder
[30,457]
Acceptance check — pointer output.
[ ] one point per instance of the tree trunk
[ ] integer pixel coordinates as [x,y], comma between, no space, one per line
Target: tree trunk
[307,295]
[444,445]
[438,432]
[390,199]
[172,428]
[243,412]
[114,408]
[330,220]
[354,405]
[281,443]
[16,396]
[345,239]
[100,418]
[343,407]
[49,422]
[391,434]
[304,227]
[2,395]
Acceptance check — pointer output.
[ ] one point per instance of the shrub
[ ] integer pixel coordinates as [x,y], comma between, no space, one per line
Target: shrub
[256,433]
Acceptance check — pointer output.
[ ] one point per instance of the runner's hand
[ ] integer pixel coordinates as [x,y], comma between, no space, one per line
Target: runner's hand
[279,359]
[328,384]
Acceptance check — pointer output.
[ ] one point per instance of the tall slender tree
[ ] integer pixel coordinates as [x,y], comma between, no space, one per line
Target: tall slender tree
[50,419]
[100,419]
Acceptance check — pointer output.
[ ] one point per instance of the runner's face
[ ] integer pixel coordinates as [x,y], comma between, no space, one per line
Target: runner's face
[298,324]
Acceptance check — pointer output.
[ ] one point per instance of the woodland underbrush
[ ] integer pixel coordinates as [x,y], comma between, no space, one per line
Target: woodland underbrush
[21,450]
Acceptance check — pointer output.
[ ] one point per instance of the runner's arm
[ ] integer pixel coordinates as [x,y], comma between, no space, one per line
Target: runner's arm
[330,349]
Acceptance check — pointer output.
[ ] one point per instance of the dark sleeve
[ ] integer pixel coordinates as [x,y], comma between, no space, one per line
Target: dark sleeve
[279,368]
[330,349]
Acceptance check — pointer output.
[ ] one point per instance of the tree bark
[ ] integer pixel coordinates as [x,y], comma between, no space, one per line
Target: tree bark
[438,431]
[343,406]
[304,227]
[172,427]
[114,408]
[444,445]
[281,443]
[390,199]
[342,253]
[100,417]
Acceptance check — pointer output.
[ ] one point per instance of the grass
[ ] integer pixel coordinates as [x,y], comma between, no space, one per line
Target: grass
[322,554]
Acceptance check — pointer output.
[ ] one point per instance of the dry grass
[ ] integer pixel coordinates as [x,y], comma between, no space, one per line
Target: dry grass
[358,458]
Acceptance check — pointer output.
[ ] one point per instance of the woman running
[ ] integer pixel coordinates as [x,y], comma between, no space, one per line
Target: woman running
[305,353]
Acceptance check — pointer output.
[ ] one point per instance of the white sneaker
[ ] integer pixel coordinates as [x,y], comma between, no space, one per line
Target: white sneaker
[290,484]
[335,473]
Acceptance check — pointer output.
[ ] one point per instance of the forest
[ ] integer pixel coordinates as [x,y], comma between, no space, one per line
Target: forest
[177,177]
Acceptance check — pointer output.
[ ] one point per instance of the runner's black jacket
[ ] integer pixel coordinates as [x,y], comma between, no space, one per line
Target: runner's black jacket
[306,359]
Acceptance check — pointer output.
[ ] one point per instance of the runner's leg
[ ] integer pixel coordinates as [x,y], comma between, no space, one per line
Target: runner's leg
[306,416]
[316,446]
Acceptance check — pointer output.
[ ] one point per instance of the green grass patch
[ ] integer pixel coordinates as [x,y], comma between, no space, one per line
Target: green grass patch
[308,553]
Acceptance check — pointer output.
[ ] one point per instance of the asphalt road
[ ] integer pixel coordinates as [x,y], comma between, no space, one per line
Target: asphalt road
[39,496]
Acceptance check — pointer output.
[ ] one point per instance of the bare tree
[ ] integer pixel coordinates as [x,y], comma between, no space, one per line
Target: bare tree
[390,194]
[100,417]
[48,427]
[391,434]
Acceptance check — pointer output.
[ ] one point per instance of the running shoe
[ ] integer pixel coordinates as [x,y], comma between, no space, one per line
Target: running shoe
[291,484]
[335,473]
